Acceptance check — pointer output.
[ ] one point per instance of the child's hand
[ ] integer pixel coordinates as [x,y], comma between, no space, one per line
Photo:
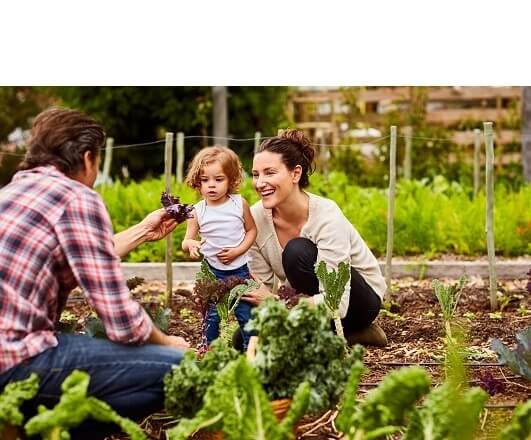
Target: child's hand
[194,247]
[228,255]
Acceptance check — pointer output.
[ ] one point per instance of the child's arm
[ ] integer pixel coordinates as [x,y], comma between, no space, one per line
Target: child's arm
[190,244]
[226,256]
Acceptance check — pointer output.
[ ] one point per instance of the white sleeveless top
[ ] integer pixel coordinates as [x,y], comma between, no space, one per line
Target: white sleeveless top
[222,226]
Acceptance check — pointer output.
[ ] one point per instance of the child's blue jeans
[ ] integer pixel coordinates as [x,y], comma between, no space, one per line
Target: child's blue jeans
[242,311]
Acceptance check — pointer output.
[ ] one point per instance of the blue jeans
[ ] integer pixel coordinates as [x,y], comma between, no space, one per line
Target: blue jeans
[242,311]
[128,378]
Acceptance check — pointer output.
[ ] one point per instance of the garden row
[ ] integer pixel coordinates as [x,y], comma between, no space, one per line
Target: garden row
[430,217]
[300,358]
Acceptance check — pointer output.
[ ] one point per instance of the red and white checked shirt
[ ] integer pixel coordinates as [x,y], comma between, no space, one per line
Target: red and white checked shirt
[55,234]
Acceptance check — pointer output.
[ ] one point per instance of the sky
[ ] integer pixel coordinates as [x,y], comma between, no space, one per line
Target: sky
[271,42]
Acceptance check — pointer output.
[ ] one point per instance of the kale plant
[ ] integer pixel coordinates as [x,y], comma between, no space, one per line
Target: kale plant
[12,397]
[289,295]
[448,297]
[179,211]
[237,404]
[299,345]
[186,384]
[334,283]
[73,408]
[518,360]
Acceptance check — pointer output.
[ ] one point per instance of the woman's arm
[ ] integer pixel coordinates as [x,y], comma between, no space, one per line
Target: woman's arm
[155,226]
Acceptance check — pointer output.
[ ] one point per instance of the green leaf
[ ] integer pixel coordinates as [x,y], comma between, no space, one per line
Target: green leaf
[12,397]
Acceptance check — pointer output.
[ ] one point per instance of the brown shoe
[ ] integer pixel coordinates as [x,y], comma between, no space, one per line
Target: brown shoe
[371,335]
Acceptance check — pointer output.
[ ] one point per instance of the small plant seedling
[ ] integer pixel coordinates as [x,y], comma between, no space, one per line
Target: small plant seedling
[496,316]
[448,297]
[429,315]
[395,316]
[334,283]
[469,315]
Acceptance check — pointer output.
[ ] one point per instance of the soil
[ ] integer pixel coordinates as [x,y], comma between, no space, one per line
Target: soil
[414,330]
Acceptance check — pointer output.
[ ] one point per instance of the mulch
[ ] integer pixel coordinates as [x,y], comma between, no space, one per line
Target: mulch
[414,330]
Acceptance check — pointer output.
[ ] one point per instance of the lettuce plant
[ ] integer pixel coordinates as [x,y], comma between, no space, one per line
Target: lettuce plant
[73,408]
[12,397]
[173,206]
[334,283]
[237,404]
[385,408]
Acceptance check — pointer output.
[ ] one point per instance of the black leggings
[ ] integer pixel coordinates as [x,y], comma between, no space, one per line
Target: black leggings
[299,258]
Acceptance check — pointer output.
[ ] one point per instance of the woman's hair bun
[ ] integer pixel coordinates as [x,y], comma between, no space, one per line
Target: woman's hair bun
[298,138]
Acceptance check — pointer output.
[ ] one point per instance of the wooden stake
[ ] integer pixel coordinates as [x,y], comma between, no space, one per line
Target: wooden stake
[180,157]
[108,159]
[407,153]
[257,137]
[391,208]
[169,243]
[489,172]
[477,159]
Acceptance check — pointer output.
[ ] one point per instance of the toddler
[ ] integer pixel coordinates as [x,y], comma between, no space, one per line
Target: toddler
[224,222]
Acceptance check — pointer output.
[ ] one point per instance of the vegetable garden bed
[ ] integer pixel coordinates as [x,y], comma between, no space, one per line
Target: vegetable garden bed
[414,329]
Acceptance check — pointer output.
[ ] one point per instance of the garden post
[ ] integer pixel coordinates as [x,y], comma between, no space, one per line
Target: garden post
[107,161]
[477,158]
[489,172]
[391,208]
[169,243]
[180,157]
[257,136]
[407,153]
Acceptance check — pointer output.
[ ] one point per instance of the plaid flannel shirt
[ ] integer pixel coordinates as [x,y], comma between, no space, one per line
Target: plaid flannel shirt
[55,233]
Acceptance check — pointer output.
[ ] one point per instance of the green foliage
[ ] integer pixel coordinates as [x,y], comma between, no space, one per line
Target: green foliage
[385,408]
[296,346]
[448,297]
[518,360]
[334,283]
[237,404]
[73,408]
[430,217]
[12,397]
[519,428]
[187,383]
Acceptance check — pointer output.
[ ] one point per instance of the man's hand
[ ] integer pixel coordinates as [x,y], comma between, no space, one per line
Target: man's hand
[157,225]
[228,255]
[177,342]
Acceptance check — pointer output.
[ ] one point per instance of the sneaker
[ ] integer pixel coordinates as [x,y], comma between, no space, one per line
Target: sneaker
[371,335]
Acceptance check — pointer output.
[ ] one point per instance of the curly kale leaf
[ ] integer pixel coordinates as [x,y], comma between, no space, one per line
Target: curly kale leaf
[519,360]
[296,346]
[12,397]
[187,383]
[173,206]
[237,404]
[73,408]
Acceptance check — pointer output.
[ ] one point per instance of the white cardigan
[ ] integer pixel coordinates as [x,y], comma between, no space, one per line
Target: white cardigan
[335,237]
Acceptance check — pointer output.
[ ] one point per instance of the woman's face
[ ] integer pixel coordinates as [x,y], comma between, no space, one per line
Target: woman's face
[272,180]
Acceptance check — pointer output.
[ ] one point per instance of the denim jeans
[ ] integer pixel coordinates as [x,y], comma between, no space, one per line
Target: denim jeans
[128,378]
[242,311]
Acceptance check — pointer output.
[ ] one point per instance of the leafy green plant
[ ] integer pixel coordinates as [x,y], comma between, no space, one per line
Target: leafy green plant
[334,283]
[518,360]
[448,297]
[73,408]
[519,428]
[237,404]
[299,345]
[187,383]
[385,408]
[12,397]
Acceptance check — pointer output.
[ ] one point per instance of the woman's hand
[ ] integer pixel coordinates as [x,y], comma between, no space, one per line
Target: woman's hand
[259,295]
[157,225]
